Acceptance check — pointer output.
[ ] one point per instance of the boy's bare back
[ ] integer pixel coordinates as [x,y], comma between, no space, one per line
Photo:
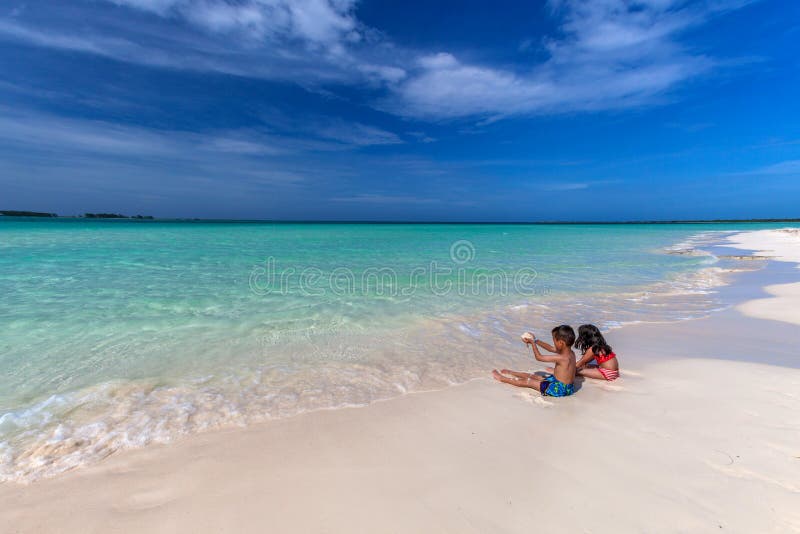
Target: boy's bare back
[565,366]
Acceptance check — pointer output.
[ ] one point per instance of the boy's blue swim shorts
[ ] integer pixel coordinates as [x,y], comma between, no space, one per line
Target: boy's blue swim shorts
[553,387]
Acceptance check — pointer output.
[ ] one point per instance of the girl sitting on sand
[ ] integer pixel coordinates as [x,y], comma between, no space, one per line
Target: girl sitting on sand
[593,346]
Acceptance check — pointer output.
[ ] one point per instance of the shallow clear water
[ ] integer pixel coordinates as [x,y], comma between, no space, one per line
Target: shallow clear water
[117,334]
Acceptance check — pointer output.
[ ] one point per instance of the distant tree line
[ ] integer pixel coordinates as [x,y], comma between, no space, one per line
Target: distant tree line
[15,213]
[114,216]
[20,213]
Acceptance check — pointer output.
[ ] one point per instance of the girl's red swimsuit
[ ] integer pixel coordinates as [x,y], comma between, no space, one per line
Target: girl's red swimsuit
[602,358]
[608,374]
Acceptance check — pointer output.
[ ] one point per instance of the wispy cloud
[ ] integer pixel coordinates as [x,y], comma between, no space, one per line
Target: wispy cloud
[369,198]
[609,54]
[304,41]
[318,23]
[606,54]
[94,44]
[42,151]
[47,132]
[572,185]
[35,130]
[788,168]
[566,186]
[357,134]
[422,137]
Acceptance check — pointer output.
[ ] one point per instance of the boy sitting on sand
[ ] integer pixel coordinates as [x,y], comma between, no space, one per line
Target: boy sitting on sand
[559,384]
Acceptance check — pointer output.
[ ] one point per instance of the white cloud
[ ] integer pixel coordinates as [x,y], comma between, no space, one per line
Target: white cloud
[51,40]
[357,134]
[331,133]
[566,186]
[446,88]
[422,137]
[157,6]
[383,73]
[40,131]
[326,23]
[605,54]
[789,167]
[305,41]
[368,198]
[609,54]
[572,186]
[119,48]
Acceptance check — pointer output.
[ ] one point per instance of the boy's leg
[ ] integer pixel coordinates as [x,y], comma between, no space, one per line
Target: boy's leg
[518,374]
[532,381]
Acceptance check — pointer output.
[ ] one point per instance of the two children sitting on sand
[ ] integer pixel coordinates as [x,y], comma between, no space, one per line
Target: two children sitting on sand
[560,381]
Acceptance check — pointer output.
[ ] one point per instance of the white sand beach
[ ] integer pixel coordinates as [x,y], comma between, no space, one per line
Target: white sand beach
[781,246]
[701,434]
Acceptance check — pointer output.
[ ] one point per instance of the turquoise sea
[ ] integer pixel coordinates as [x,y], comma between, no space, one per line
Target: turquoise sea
[117,334]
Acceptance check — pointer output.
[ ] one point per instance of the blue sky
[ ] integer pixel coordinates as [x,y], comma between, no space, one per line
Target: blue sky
[401,110]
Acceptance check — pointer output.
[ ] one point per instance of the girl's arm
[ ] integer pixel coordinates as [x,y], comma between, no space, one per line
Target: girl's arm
[586,358]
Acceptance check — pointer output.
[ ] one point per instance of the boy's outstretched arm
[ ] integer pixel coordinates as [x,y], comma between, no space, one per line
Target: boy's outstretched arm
[546,346]
[542,358]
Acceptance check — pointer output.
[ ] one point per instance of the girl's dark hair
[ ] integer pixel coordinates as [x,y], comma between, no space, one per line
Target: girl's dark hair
[590,337]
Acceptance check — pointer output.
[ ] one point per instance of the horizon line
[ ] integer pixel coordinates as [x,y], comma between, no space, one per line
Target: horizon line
[367,221]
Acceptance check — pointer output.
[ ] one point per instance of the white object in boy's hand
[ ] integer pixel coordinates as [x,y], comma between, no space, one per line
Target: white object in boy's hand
[528,337]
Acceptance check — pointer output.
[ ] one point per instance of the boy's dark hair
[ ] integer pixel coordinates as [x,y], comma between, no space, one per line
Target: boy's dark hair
[590,337]
[564,333]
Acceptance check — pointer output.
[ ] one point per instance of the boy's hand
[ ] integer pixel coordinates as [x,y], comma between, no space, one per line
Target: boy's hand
[528,337]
